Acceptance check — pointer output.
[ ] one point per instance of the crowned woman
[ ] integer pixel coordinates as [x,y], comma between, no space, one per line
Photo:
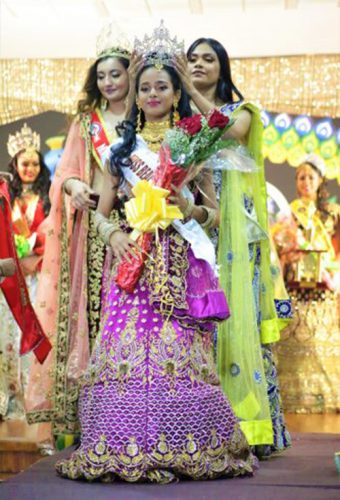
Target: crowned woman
[151,408]
[30,206]
[308,354]
[70,290]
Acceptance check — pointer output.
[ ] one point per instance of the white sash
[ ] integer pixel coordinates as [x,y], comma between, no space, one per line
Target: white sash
[191,231]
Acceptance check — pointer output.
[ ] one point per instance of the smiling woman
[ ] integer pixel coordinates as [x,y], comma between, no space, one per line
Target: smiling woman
[156,94]
[30,205]
[112,79]
[70,289]
[151,408]
[308,353]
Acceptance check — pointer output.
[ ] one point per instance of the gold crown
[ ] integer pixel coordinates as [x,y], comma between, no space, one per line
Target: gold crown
[159,48]
[25,139]
[112,42]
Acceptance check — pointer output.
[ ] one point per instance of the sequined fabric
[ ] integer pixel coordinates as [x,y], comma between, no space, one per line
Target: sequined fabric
[309,353]
[151,408]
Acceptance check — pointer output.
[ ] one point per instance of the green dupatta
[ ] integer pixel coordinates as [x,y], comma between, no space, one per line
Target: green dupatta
[239,354]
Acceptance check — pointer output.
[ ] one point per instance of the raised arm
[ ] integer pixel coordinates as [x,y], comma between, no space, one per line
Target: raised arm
[240,127]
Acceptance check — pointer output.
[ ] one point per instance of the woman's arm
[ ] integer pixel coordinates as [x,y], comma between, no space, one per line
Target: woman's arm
[121,243]
[136,64]
[206,214]
[240,127]
[207,190]
[70,171]
[108,193]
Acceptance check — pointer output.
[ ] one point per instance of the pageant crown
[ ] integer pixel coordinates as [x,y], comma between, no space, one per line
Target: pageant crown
[112,42]
[317,162]
[159,48]
[25,139]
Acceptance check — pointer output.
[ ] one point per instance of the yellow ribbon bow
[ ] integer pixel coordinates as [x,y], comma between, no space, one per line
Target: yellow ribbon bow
[148,211]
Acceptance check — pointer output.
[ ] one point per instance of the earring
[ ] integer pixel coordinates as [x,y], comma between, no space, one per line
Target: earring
[175,113]
[139,119]
[103,103]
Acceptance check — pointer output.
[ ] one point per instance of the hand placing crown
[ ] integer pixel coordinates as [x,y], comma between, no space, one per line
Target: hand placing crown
[112,42]
[26,140]
[159,49]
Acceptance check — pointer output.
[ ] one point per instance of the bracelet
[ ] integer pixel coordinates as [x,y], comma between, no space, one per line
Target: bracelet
[211,216]
[104,227]
[189,208]
[67,191]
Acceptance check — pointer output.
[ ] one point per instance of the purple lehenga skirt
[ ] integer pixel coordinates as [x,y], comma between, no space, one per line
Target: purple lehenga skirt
[150,406]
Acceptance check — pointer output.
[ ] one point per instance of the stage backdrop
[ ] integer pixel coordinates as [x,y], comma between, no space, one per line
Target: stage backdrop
[306,84]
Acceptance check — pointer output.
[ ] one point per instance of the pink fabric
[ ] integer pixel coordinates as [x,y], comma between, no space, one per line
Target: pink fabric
[74,163]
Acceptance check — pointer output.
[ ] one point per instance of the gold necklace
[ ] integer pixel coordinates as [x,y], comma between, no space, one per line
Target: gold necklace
[153,134]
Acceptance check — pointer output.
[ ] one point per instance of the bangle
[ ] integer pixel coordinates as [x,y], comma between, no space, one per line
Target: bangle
[104,227]
[66,189]
[189,208]
[211,217]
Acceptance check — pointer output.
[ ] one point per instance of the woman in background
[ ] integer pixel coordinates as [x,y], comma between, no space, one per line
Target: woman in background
[30,206]
[308,354]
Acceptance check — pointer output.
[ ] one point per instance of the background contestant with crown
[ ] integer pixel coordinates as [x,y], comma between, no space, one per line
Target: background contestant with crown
[308,354]
[150,407]
[30,205]
[69,296]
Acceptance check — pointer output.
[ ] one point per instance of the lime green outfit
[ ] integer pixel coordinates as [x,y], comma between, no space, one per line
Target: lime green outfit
[256,295]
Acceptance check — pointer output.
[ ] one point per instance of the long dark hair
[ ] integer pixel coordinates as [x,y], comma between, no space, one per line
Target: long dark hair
[225,86]
[322,194]
[41,185]
[120,154]
[90,88]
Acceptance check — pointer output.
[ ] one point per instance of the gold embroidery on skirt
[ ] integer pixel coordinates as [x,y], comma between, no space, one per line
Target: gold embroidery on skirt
[213,459]
[95,264]
[308,354]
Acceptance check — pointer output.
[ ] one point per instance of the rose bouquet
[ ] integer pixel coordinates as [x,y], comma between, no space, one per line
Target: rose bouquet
[189,143]
[193,140]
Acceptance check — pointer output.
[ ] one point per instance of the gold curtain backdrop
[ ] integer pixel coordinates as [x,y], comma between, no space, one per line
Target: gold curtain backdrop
[296,84]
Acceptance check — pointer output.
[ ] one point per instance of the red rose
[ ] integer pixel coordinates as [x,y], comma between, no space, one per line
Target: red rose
[218,120]
[192,125]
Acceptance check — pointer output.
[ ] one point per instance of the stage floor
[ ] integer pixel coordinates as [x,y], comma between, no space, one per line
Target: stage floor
[306,471]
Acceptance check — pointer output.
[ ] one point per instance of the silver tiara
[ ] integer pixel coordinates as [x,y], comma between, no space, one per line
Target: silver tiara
[159,49]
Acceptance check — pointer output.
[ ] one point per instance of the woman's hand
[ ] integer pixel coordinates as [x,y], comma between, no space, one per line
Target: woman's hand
[178,199]
[123,246]
[181,65]
[80,194]
[136,64]
[7,267]
[29,264]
